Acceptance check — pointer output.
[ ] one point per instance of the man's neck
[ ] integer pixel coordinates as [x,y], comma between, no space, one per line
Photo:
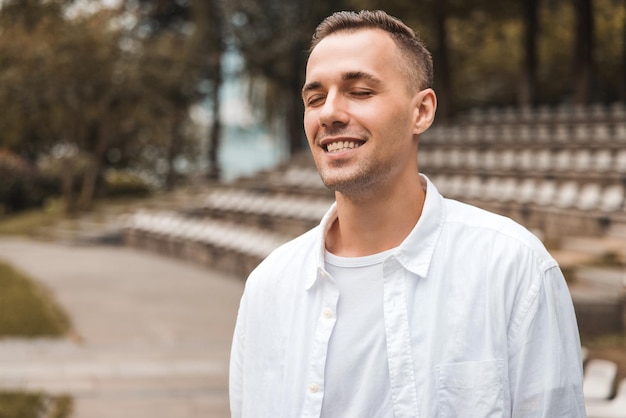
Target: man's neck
[376,223]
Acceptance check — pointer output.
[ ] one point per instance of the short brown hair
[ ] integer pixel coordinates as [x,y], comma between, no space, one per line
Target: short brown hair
[420,62]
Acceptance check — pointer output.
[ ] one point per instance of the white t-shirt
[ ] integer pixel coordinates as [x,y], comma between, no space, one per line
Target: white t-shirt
[357,346]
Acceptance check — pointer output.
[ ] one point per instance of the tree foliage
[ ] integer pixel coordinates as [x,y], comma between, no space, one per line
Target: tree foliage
[50,97]
[273,37]
[113,88]
[199,23]
[486,53]
[97,90]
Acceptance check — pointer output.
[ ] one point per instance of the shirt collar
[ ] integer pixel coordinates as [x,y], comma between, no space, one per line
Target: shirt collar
[320,245]
[414,253]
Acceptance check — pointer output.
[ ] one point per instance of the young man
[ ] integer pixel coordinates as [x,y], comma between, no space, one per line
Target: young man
[400,303]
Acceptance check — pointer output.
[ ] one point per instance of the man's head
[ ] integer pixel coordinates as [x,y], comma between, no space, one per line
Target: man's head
[366,102]
[419,65]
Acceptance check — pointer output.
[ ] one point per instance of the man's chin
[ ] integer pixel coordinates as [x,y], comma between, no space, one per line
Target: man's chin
[331,182]
[344,184]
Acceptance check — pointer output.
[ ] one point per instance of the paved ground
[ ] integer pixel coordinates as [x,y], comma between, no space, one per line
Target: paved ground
[153,333]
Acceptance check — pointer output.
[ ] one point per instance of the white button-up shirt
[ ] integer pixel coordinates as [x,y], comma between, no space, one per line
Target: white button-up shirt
[478,323]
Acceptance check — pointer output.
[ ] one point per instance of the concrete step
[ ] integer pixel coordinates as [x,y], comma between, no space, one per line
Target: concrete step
[606,247]
[599,301]
[232,248]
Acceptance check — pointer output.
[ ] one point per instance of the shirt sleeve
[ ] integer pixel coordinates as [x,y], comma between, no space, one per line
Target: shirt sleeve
[545,366]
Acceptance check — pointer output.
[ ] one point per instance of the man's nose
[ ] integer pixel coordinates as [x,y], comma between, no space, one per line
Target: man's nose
[334,110]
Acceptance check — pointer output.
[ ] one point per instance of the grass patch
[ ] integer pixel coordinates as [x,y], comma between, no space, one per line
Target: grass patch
[29,222]
[40,222]
[34,405]
[27,310]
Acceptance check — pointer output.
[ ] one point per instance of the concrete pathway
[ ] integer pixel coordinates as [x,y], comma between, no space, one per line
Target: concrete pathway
[153,333]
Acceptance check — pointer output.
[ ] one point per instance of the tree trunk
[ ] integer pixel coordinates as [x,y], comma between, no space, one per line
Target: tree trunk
[217,50]
[88,187]
[623,90]
[583,65]
[295,106]
[295,130]
[100,136]
[442,63]
[215,170]
[215,134]
[67,185]
[172,152]
[527,97]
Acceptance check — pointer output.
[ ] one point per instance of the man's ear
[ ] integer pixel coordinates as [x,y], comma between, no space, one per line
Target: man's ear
[425,107]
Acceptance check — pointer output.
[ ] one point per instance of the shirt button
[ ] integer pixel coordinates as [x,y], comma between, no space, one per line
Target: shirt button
[327,313]
[313,388]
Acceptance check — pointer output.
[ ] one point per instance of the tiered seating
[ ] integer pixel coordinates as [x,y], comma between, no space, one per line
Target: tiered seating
[560,162]
[225,246]
[549,168]
[605,396]
[612,408]
[547,193]
[599,380]
[297,177]
[234,226]
[559,171]
[288,213]
[552,169]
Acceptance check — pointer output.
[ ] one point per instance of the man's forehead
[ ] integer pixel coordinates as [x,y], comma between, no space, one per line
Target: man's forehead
[346,37]
[348,52]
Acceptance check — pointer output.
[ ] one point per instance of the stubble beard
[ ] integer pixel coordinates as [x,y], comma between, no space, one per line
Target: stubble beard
[354,181]
[342,182]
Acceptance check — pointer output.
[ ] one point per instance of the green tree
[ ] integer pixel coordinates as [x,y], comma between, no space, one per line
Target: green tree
[199,24]
[528,85]
[583,51]
[211,42]
[623,53]
[80,88]
[273,36]
[60,75]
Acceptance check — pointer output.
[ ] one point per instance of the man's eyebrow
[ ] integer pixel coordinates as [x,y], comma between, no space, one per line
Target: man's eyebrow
[314,85]
[360,75]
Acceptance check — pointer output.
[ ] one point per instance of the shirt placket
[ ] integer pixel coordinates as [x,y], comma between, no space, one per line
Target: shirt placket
[397,334]
[325,324]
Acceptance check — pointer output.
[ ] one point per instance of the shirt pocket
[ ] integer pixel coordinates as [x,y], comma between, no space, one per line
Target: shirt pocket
[470,389]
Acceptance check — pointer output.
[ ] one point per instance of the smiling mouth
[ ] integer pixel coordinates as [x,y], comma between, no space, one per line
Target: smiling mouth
[340,146]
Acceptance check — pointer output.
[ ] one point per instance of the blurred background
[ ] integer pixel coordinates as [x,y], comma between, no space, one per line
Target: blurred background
[161,92]
[173,128]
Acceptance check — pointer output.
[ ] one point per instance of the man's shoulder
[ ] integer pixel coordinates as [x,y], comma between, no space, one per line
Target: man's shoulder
[467,216]
[465,213]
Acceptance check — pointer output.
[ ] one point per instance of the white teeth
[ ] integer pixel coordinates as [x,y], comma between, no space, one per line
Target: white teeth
[342,146]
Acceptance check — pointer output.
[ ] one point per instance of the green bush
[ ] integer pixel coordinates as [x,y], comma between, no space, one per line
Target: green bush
[125,183]
[21,184]
[53,167]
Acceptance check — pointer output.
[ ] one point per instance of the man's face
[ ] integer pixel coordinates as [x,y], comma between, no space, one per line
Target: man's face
[359,113]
